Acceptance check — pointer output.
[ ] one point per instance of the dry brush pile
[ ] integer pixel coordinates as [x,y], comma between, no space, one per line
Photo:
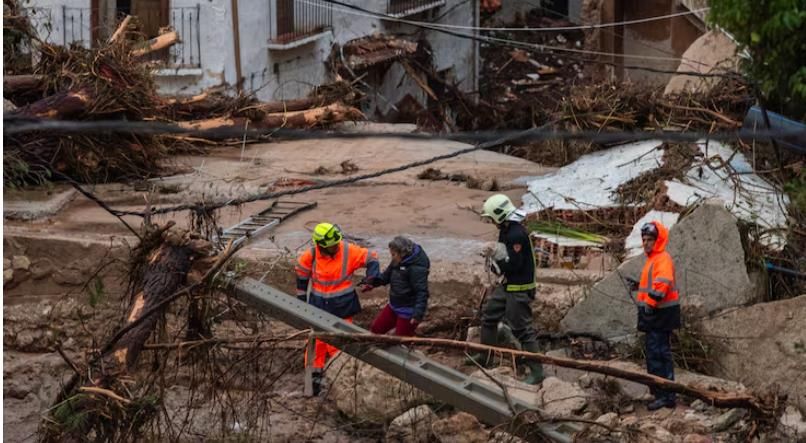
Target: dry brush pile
[114,80]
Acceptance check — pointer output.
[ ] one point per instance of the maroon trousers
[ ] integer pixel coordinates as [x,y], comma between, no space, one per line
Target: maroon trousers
[387,320]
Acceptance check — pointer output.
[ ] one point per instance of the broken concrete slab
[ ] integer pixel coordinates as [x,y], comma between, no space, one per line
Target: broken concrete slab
[735,184]
[367,394]
[709,271]
[590,182]
[767,343]
[722,173]
[713,51]
[33,205]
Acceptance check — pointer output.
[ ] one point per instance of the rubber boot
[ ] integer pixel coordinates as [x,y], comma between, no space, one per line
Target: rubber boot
[535,368]
[489,336]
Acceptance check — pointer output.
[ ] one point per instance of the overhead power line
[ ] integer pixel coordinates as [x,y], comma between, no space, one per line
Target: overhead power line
[509,137]
[14,127]
[540,29]
[362,12]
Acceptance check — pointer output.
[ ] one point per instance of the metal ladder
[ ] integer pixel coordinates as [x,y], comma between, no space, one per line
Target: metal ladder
[263,221]
[446,384]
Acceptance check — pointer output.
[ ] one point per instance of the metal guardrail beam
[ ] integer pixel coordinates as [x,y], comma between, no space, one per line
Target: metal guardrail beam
[446,384]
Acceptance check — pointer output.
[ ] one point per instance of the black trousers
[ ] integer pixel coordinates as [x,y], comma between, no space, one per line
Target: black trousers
[659,360]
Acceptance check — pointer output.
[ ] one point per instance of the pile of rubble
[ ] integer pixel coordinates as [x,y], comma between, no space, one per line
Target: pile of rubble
[608,409]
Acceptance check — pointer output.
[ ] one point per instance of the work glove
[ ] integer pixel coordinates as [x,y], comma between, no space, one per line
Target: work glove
[631,283]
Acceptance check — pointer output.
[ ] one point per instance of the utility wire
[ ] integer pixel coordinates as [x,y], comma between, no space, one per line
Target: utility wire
[271,195]
[442,27]
[14,127]
[510,137]
[542,48]
[544,29]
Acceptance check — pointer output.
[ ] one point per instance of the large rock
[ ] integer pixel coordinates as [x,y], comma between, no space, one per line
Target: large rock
[793,424]
[560,398]
[554,397]
[414,426]
[8,106]
[367,394]
[20,263]
[711,52]
[460,428]
[709,269]
[767,345]
[516,389]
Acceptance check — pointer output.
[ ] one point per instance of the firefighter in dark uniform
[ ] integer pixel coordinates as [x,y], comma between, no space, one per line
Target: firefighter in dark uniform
[513,258]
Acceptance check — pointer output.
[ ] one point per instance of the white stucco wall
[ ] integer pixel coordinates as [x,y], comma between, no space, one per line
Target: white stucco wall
[49,16]
[292,73]
[217,56]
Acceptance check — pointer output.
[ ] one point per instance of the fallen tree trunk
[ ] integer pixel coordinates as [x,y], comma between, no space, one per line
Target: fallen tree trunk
[289,105]
[332,113]
[96,394]
[715,398]
[15,83]
[61,105]
[157,43]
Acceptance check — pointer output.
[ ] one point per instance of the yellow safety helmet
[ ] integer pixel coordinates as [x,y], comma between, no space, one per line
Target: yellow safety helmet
[326,235]
[498,207]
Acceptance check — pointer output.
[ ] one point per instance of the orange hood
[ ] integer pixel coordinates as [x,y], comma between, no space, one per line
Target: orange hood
[663,237]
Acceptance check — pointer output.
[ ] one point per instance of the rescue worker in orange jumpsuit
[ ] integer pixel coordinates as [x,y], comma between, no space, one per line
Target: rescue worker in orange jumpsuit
[658,308]
[325,280]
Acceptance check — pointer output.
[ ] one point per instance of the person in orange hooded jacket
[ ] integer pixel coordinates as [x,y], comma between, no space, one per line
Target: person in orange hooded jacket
[658,308]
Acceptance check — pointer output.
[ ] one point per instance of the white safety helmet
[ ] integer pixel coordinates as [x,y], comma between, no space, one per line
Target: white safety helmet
[498,207]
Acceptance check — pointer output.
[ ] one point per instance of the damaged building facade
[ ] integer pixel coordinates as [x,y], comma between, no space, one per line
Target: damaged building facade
[278,49]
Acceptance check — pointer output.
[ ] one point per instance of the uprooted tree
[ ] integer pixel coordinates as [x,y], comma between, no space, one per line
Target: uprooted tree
[94,403]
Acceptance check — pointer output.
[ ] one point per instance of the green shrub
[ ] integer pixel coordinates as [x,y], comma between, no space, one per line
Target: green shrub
[774,34]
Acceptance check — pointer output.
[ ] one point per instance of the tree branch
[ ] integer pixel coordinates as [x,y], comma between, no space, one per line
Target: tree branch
[715,398]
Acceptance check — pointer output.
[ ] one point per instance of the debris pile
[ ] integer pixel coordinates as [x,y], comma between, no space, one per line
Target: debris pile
[636,178]
[114,81]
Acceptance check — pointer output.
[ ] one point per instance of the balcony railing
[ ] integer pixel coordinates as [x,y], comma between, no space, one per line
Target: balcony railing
[185,21]
[61,25]
[76,26]
[405,8]
[294,22]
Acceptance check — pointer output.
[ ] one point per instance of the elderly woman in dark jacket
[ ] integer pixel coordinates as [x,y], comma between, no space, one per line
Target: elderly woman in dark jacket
[407,277]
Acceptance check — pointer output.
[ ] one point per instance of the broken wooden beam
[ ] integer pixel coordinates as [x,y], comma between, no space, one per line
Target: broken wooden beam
[162,41]
[121,30]
[289,105]
[332,113]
